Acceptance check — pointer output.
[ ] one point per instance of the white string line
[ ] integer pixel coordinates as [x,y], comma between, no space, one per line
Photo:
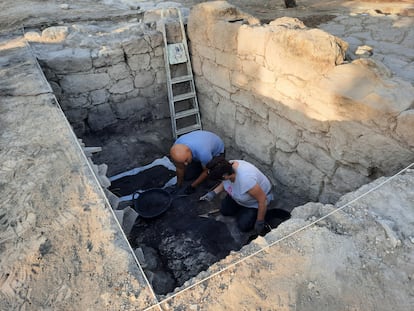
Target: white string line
[281,239]
[95,178]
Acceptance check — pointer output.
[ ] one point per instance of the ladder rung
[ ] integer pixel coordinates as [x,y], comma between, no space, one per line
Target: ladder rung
[188,129]
[186,113]
[184,96]
[181,79]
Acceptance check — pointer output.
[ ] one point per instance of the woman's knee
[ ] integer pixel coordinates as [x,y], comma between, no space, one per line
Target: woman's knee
[246,219]
[228,206]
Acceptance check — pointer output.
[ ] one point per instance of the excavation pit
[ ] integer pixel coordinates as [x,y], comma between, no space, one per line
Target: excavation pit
[188,237]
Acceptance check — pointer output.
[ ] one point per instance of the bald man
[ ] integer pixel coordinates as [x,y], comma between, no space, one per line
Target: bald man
[197,147]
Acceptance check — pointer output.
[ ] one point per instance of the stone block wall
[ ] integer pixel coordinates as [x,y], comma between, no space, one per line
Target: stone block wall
[283,96]
[103,74]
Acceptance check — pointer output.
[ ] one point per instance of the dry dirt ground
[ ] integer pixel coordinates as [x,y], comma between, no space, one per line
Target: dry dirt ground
[359,259]
[19,13]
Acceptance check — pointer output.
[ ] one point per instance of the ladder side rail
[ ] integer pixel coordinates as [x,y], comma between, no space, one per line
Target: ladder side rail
[168,76]
[189,67]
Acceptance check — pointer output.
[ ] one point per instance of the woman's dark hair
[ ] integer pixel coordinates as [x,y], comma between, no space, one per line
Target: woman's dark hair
[219,166]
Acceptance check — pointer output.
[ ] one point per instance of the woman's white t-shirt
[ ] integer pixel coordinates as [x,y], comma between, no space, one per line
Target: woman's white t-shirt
[247,176]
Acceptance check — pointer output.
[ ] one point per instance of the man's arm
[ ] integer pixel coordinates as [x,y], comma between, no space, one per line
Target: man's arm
[203,176]
[180,169]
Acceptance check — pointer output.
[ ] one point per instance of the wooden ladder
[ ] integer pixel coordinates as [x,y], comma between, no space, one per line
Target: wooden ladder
[182,97]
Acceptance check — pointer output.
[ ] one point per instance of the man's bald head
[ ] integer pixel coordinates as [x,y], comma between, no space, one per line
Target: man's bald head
[181,154]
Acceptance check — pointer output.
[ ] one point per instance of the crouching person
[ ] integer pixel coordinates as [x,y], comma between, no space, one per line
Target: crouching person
[248,192]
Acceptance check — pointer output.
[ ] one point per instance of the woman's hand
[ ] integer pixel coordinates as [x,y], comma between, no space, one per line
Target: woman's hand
[211,194]
[258,193]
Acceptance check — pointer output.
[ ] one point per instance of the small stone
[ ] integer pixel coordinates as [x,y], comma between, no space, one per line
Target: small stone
[65,6]
[364,51]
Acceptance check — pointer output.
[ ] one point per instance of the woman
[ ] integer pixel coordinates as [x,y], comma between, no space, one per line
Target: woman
[248,192]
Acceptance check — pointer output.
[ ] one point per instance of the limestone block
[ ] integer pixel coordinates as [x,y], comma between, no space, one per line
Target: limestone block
[139,62]
[159,51]
[298,114]
[119,71]
[157,64]
[81,83]
[196,63]
[119,214]
[208,108]
[300,175]
[409,38]
[33,36]
[141,258]
[407,72]
[159,106]
[240,80]
[255,70]
[103,181]
[156,40]
[135,46]
[112,198]
[56,89]
[76,114]
[347,179]
[254,139]
[220,92]
[228,60]
[144,79]
[289,44]
[55,34]
[205,51]
[394,48]
[354,143]
[329,194]
[320,140]
[107,56]
[102,169]
[246,99]
[128,222]
[260,108]
[100,117]
[318,157]
[129,107]
[290,86]
[242,114]
[223,36]
[204,19]
[99,96]
[161,77]
[226,116]
[122,86]
[67,60]
[247,35]
[203,86]
[405,127]
[71,102]
[282,129]
[152,259]
[368,82]
[217,75]
[152,90]
[262,89]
